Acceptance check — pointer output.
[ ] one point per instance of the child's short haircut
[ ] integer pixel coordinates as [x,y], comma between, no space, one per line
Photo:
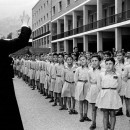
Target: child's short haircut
[70,56]
[61,54]
[55,54]
[110,59]
[96,56]
[120,52]
[108,53]
[81,55]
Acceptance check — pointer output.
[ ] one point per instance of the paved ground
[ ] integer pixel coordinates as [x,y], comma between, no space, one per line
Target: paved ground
[38,114]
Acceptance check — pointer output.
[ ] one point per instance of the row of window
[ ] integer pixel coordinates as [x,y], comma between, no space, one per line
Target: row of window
[40,10]
[60,6]
[41,30]
[40,21]
[41,42]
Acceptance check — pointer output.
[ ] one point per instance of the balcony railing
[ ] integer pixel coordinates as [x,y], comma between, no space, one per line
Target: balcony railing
[41,35]
[113,19]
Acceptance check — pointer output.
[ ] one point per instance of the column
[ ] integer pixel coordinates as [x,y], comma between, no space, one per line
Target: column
[99,11]
[99,41]
[65,23]
[58,26]
[74,42]
[50,41]
[58,47]
[85,43]
[51,47]
[118,6]
[85,15]
[118,39]
[74,19]
[66,46]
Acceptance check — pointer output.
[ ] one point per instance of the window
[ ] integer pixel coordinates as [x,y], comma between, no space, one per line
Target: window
[44,5]
[44,17]
[47,15]
[53,9]
[60,6]
[68,2]
[112,10]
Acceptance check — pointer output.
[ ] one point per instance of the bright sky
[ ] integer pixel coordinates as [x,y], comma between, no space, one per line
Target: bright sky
[14,8]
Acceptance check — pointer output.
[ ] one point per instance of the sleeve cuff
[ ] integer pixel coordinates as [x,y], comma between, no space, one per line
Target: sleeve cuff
[24,25]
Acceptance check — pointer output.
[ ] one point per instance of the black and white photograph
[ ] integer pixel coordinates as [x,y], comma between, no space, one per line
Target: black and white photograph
[65,64]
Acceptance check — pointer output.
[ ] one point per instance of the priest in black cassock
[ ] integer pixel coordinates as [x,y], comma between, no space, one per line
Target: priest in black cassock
[10,118]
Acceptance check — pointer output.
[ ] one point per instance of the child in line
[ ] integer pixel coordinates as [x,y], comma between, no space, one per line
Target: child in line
[41,79]
[68,91]
[37,75]
[32,72]
[108,99]
[126,78]
[81,79]
[119,66]
[53,76]
[59,68]
[94,86]
[47,79]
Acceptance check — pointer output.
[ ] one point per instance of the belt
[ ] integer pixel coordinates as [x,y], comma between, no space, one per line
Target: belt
[69,82]
[83,81]
[93,82]
[58,75]
[110,88]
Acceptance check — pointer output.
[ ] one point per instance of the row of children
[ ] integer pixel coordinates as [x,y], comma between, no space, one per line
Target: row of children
[98,79]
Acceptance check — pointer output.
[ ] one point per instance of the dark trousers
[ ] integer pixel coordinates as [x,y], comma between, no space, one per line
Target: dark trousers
[9,111]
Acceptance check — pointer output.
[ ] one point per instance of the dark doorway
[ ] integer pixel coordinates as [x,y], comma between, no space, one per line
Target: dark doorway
[126,42]
[92,46]
[80,47]
[108,44]
[70,46]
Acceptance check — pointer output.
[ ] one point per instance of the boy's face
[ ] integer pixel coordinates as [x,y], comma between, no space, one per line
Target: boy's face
[100,54]
[109,65]
[88,55]
[95,62]
[74,57]
[119,56]
[65,57]
[60,58]
[83,61]
[50,58]
[106,56]
[55,58]
[69,61]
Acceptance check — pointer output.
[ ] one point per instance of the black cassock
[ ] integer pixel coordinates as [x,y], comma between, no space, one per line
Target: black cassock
[10,118]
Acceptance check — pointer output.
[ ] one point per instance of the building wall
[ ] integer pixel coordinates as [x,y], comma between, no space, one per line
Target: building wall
[41,16]
[101,19]
[100,27]
[65,8]
[39,13]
